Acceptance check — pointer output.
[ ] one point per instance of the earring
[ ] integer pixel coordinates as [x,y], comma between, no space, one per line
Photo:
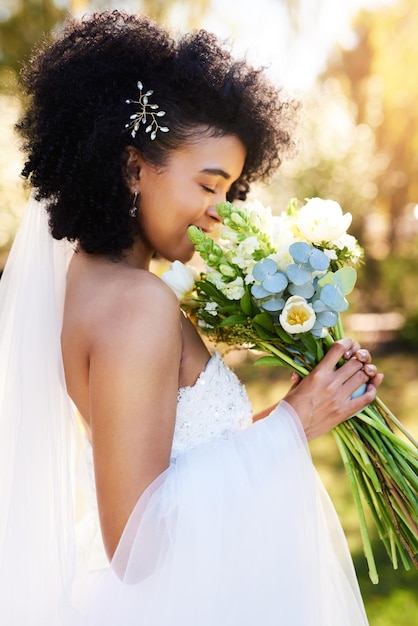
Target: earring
[134,209]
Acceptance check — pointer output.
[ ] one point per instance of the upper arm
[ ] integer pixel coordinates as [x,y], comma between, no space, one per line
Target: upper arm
[133,384]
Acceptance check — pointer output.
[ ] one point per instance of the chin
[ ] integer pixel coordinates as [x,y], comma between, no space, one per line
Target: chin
[184,255]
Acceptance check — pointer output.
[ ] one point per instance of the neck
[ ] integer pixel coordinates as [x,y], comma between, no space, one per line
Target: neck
[139,255]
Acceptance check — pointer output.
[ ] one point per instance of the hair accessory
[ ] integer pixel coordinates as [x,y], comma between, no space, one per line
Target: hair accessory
[147,114]
[134,209]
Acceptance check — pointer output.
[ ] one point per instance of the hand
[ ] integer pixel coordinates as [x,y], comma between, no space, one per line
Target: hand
[323,399]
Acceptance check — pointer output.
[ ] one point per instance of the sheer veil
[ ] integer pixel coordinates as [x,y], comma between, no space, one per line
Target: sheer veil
[37,429]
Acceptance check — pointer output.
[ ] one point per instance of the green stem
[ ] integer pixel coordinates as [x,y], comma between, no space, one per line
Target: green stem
[267,347]
[368,551]
[397,423]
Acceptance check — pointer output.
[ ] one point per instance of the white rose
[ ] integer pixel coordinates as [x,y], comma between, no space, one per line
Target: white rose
[323,220]
[180,278]
[297,316]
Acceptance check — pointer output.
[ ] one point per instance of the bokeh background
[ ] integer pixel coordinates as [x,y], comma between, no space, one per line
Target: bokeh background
[352,64]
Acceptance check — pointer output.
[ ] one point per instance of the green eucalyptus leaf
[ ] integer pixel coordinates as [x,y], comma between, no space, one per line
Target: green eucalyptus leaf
[345,279]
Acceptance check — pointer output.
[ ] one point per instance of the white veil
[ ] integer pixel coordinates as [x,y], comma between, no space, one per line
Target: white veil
[37,429]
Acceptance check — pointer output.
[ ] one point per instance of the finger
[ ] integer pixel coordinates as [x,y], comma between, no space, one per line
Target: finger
[370,369]
[377,380]
[349,369]
[363,355]
[354,382]
[339,349]
[295,380]
[351,352]
[357,404]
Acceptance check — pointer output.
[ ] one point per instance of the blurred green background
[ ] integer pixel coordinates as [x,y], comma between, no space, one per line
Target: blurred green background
[352,64]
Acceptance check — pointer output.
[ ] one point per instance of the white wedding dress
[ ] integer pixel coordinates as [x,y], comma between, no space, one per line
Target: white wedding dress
[238,531]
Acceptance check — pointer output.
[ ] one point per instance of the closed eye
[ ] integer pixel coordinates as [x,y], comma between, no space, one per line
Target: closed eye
[208,189]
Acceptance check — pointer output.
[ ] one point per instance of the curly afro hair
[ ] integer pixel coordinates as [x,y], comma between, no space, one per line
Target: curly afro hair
[74,126]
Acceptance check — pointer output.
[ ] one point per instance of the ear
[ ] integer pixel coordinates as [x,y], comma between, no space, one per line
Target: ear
[132,164]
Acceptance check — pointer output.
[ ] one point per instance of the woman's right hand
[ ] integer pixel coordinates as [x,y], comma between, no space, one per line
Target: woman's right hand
[323,399]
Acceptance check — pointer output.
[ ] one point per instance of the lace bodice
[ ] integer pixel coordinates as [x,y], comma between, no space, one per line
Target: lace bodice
[217,404]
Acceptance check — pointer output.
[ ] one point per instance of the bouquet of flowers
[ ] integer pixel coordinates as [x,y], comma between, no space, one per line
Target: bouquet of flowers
[277,284]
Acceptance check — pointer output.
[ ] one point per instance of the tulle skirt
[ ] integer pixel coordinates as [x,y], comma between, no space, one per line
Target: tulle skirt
[237,532]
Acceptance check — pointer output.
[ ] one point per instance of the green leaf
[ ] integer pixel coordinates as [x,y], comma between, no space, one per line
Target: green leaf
[264,320]
[310,343]
[262,332]
[210,290]
[270,360]
[234,319]
[284,336]
[247,303]
[230,308]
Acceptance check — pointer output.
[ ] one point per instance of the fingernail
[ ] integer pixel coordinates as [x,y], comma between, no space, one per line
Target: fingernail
[362,353]
[371,370]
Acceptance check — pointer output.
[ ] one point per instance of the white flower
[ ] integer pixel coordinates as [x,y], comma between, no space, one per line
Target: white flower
[347,241]
[323,220]
[297,316]
[211,307]
[234,290]
[243,253]
[331,254]
[180,278]
[282,237]
[350,243]
[229,234]
[216,278]
[259,215]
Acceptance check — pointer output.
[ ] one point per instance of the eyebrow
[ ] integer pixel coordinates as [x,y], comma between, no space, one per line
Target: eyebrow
[214,171]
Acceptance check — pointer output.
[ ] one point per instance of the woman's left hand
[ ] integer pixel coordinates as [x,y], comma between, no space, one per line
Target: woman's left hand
[330,394]
[362,355]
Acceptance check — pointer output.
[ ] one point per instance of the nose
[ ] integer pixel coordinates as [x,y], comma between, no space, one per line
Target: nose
[213,213]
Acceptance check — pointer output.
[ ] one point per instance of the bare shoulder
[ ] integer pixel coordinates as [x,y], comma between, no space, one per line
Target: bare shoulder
[136,305]
[118,321]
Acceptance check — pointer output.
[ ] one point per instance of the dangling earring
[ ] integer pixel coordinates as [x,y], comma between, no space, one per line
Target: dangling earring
[134,209]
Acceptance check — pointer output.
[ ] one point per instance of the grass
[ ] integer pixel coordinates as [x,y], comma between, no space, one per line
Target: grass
[394,601]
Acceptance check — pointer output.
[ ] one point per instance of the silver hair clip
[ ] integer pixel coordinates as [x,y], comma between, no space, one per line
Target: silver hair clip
[147,114]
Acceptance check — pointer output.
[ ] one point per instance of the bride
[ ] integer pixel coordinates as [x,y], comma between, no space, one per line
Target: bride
[135,487]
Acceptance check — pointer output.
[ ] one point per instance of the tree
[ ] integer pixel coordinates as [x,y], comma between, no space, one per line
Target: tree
[378,75]
[29,21]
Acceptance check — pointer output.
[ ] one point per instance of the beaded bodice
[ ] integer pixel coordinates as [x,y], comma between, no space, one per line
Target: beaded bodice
[217,404]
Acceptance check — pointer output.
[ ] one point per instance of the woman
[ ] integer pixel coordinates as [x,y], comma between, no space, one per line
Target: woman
[189,514]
